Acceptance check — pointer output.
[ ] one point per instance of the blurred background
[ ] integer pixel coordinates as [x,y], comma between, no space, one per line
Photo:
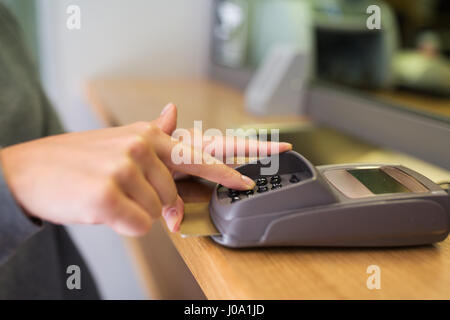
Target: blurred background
[405,64]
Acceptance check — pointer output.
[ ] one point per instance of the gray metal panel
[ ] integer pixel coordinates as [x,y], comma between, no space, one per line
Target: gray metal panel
[382,124]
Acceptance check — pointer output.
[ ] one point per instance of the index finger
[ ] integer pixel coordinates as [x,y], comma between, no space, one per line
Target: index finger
[209,167]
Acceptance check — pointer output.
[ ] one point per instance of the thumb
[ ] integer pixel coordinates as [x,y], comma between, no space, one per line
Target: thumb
[167,121]
[174,217]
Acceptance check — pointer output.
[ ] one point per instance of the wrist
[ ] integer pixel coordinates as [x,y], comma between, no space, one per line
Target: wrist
[9,162]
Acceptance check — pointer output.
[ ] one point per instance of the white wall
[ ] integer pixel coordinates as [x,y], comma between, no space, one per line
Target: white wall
[117,37]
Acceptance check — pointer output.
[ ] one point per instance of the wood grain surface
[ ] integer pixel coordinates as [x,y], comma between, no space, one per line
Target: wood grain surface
[315,273]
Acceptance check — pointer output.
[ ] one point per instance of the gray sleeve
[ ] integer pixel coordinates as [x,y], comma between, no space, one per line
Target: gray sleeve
[15,226]
[52,122]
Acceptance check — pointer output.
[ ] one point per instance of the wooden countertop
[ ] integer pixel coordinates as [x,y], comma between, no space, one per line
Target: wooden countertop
[275,273]
[120,102]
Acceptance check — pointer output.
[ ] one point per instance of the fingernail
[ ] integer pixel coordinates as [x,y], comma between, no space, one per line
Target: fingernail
[176,228]
[249,182]
[287,145]
[171,217]
[166,108]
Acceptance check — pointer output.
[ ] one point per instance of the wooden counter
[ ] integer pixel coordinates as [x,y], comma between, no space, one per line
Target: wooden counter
[277,273]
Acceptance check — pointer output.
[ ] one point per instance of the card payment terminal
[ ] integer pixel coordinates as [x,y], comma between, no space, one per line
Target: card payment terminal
[351,205]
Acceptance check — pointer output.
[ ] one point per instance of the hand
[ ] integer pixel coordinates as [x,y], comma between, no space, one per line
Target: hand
[121,176]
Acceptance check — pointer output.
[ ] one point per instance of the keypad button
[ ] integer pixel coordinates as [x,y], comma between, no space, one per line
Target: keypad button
[275,179]
[233,193]
[261,181]
[294,179]
[247,192]
[276,186]
[262,189]
[234,199]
